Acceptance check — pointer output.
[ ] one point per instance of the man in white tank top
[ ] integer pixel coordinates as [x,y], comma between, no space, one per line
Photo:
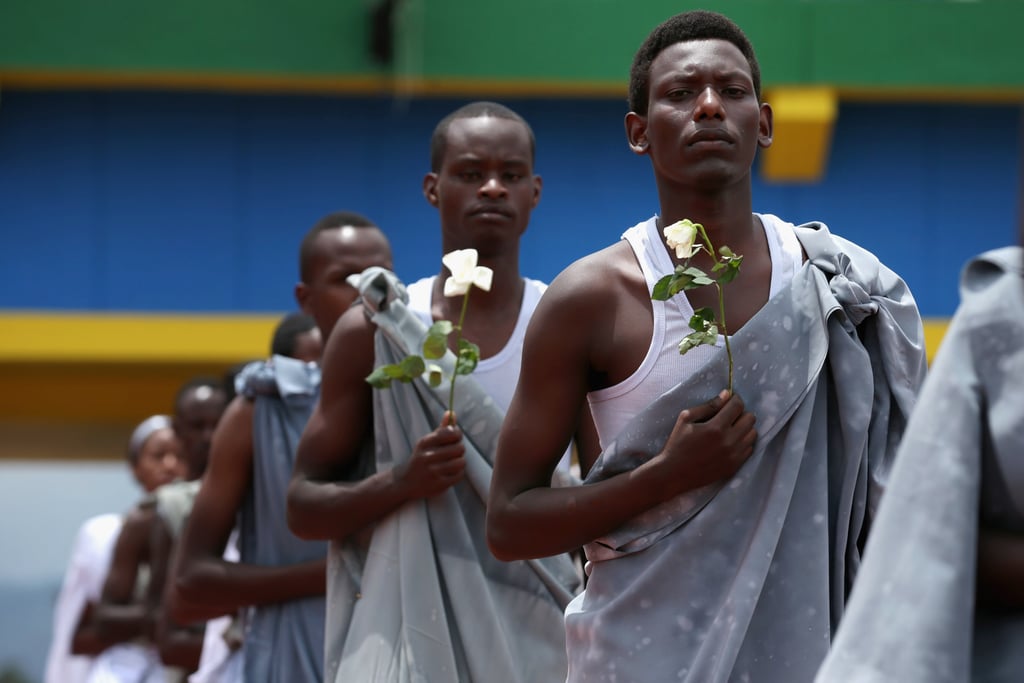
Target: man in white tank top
[484,188]
[721,530]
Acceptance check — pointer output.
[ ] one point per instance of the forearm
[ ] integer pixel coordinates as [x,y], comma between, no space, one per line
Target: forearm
[219,587]
[546,521]
[1000,569]
[116,623]
[87,639]
[319,510]
[181,647]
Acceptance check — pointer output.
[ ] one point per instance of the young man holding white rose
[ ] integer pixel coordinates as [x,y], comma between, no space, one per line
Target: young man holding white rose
[398,482]
[719,548]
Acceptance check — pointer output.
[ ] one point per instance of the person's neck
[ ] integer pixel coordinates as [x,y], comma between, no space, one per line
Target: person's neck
[725,215]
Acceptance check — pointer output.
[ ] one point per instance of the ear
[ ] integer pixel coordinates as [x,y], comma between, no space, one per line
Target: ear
[764,129]
[430,188]
[538,183]
[636,132]
[302,297]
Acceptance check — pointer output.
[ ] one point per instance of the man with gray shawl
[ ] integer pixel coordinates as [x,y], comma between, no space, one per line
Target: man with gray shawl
[716,553]
[938,598]
[398,482]
[279,582]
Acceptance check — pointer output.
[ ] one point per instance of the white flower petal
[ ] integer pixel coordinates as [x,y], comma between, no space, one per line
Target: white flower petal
[453,287]
[482,277]
[460,261]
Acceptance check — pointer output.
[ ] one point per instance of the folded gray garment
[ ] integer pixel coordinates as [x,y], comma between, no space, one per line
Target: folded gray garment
[427,601]
[912,616]
[746,579]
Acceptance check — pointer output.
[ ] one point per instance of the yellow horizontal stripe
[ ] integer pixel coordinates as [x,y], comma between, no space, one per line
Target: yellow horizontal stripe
[95,338]
[73,387]
[147,338]
[450,86]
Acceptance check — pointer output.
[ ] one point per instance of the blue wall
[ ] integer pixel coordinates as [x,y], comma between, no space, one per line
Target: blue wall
[145,201]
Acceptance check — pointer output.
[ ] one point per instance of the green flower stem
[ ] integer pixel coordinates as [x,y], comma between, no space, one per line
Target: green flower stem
[458,339]
[721,302]
[725,331]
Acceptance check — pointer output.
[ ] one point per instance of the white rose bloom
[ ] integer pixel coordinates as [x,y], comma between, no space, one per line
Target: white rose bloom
[465,273]
[681,236]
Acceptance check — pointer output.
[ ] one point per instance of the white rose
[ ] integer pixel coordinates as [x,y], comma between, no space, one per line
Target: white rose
[681,236]
[465,273]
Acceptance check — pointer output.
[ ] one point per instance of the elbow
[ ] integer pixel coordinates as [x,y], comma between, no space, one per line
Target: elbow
[194,595]
[301,521]
[499,540]
[180,595]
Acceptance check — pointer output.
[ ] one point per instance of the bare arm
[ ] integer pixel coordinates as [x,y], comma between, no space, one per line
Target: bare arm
[322,504]
[88,639]
[546,409]
[180,644]
[204,584]
[119,616]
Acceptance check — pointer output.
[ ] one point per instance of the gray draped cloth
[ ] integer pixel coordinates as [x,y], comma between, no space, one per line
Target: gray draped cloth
[912,616]
[432,604]
[284,640]
[746,579]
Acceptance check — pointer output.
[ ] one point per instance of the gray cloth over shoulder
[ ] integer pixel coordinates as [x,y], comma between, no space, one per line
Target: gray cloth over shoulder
[745,580]
[433,605]
[283,641]
[912,616]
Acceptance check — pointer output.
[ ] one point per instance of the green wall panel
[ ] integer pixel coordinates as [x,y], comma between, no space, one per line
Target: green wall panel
[245,37]
[871,44]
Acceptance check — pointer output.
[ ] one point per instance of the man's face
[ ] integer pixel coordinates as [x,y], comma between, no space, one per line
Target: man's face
[485,188]
[704,122]
[338,253]
[160,460]
[199,411]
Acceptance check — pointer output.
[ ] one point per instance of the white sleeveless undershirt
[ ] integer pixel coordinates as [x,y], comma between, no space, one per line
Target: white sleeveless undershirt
[498,374]
[663,367]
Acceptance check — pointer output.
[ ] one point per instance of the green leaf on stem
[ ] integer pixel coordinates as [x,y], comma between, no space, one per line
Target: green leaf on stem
[469,356]
[436,343]
[660,292]
[412,367]
[407,370]
[434,375]
[705,330]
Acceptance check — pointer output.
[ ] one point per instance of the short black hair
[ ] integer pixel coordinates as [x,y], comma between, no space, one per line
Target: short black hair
[288,330]
[338,219]
[693,25]
[213,383]
[473,110]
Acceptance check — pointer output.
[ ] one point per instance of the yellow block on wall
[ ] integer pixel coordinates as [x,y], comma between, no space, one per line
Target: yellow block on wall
[802,133]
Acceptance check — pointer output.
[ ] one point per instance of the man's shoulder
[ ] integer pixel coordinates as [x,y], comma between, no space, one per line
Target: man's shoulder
[594,282]
[598,268]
